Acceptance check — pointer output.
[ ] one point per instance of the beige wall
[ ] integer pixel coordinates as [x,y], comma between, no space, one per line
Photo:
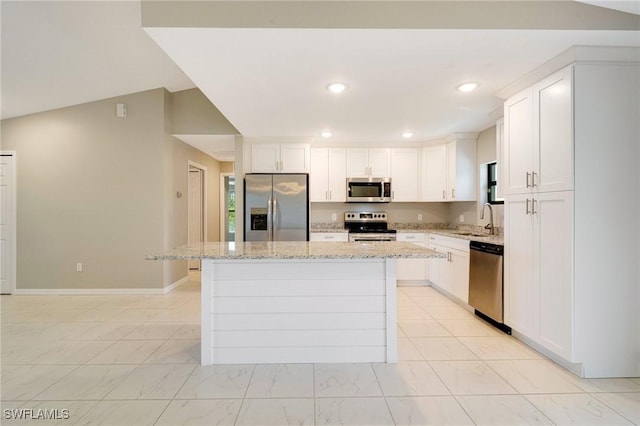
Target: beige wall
[396,212]
[101,190]
[194,114]
[90,190]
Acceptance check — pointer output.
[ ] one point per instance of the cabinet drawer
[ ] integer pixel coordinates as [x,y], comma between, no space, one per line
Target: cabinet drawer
[449,242]
[329,236]
[411,237]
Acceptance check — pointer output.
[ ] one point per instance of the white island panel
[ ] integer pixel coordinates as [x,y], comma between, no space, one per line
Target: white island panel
[298,311]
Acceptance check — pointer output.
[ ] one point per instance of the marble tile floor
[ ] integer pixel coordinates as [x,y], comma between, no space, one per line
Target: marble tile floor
[134,360]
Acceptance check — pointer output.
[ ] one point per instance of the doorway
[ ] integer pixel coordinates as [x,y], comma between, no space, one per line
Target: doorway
[7,222]
[227,207]
[196,208]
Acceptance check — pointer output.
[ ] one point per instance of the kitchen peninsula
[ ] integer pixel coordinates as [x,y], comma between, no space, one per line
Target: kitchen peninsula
[298,302]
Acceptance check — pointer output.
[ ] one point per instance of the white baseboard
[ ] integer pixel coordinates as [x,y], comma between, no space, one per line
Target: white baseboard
[413,283]
[572,367]
[98,291]
[175,285]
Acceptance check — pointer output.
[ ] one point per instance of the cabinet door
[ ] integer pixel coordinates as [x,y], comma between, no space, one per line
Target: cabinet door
[553,261]
[265,158]
[380,162]
[434,163]
[553,158]
[520,301]
[518,143]
[404,174]
[461,170]
[357,162]
[337,178]
[294,158]
[499,157]
[460,274]
[319,175]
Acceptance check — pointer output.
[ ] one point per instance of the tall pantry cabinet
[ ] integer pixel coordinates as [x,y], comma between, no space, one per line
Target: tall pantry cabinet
[572,217]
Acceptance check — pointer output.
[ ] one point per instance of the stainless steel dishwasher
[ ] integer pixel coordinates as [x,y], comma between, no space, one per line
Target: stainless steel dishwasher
[485,282]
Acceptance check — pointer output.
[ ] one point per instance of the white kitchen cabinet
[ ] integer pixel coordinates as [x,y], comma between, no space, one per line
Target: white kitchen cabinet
[571,255]
[461,169]
[280,158]
[365,162]
[538,138]
[333,237]
[404,174]
[449,170]
[499,157]
[411,269]
[538,269]
[328,173]
[450,274]
[434,171]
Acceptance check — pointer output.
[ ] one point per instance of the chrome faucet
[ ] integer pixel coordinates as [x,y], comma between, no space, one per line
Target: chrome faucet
[489,225]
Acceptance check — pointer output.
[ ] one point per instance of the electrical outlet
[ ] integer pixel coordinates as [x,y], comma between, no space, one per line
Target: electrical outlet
[334,217]
[461,218]
[419,217]
[79,267]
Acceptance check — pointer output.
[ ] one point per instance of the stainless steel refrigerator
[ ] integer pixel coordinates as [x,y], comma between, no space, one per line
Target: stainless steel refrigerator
[276,207]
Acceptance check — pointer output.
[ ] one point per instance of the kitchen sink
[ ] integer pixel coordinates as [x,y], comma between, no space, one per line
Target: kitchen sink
[470,234]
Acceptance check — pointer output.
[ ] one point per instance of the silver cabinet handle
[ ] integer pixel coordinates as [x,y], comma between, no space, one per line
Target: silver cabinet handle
[527,206]
[329,237]
[533,206]
[330,195]
[444,194]
[453,193]
[528,176]
[533,179]
[269,220]
[393,195]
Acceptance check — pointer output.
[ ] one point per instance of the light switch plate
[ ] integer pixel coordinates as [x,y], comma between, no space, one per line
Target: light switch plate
[334,217]
[461,218]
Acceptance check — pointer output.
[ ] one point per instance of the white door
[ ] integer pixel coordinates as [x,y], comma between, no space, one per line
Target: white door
[319,175]
[7,224]
[357,162]
[404,174]
[519,295]
[518,144]
[337,174]
[195,212]
[265,158]
[434,163]
[379,162]
[294,158]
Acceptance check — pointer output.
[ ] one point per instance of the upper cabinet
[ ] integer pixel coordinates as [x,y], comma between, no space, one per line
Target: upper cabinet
[328,176]
[404,174]
[365,162]
[280,158]
[449,171]
[538,137]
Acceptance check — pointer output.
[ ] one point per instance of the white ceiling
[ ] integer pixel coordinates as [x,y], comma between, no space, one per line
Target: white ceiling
[270,82]
[56,54]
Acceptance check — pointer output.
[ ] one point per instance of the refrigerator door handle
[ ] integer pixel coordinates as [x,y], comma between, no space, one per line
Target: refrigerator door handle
[275,219]
[269,220]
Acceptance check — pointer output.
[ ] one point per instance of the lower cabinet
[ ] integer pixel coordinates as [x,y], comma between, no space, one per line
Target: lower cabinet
[450,274]
[411,269]
[538,274]
[329,236]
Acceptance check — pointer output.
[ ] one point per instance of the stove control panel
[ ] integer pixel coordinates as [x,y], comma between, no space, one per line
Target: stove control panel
[365,216]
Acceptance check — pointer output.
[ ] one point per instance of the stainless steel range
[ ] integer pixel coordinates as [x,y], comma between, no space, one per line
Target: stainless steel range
[368,226]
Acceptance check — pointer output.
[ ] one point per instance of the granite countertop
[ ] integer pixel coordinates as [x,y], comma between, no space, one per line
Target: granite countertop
[297,250]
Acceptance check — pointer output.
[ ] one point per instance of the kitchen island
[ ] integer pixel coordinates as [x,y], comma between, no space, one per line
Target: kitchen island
[298,302]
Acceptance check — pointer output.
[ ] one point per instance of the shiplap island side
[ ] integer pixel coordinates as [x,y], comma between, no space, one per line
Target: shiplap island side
[298,302]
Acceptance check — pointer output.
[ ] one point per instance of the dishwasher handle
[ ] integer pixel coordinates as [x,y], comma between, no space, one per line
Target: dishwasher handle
[496,249]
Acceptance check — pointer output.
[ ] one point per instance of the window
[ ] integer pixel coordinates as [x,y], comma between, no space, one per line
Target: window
[492,184]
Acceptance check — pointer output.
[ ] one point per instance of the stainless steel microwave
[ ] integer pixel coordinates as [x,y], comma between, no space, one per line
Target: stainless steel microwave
[369,190]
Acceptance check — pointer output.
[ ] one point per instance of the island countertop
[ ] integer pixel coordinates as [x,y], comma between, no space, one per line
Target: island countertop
[297,250]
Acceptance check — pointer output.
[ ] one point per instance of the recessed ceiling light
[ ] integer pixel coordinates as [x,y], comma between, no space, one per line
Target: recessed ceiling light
[337,88]
[407,135]
[467,87]
[326,134]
